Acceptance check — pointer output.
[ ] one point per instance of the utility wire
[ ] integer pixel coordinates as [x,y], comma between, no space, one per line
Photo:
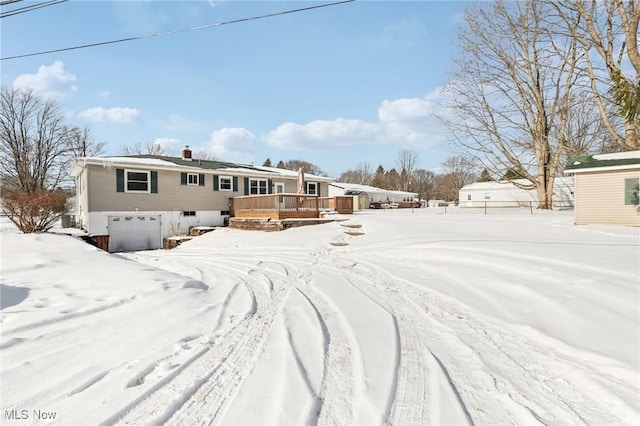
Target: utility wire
[6,2]
[30,8]
[182,30]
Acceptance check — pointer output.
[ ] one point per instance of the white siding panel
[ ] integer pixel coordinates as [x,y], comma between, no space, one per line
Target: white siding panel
[599,198]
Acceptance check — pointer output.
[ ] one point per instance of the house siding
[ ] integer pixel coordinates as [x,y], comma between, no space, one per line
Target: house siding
[171,196]
[599,198]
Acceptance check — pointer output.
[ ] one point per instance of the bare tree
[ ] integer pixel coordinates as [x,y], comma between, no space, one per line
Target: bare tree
[203,154]
[151,148]
[511,92]
[361,175]
[34,152]
[306,166]
[423,183]
[608,33]
[407,162]
[82,144]
[585,131]
[34,141]
[457,172]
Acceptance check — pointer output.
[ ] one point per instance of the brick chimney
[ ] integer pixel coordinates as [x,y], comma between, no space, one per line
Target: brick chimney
[186,153]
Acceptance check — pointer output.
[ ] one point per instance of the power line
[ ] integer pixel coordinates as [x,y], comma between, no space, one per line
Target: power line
[6,2]
[30,8]
[182,30]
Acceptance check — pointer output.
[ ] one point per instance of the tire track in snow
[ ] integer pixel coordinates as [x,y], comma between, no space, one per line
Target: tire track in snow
[212,376]
[413,397]
[339,387]
[519,370]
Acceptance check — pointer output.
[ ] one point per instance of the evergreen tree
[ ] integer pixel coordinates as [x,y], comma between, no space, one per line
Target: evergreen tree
[267,163]
[378,180]
[280,164]
[512,174]
[485,176]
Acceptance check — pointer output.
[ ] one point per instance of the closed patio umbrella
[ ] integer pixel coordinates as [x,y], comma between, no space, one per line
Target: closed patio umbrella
[300,181]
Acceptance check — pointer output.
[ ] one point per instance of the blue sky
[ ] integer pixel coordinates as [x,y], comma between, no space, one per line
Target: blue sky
[335,86]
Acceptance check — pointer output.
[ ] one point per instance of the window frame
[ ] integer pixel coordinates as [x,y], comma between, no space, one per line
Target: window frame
[258,181]
[230,179]
[189,178]
[315,185]
[137,191]
[631,190]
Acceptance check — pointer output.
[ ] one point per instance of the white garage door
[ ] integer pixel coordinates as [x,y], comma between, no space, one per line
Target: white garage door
[139,232]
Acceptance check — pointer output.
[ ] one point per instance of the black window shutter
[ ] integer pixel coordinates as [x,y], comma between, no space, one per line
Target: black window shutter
[201,179]
[154,182]
[216,183]
[183,178]
[246,186]
[119,180]
[235,183]
[269,186]
[318,188]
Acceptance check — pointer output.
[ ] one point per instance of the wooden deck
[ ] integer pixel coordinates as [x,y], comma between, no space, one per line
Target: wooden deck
[276,206]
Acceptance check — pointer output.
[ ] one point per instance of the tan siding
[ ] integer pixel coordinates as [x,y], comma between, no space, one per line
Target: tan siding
[599,198]
[171,196]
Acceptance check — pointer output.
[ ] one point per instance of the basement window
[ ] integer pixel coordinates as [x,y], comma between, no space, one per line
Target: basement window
[189,213]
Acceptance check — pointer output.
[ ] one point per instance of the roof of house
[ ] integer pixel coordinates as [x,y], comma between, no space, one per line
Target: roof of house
[180,164]
[602,162]
[201,164]
[356,188]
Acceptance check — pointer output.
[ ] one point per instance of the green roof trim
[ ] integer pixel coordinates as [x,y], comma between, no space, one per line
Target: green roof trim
[587,162]
[202,164]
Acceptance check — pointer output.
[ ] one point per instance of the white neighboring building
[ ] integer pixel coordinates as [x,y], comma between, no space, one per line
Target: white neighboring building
[366,196]
[507,194]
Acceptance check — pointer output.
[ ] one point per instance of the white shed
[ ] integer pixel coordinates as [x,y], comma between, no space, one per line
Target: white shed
[508,194]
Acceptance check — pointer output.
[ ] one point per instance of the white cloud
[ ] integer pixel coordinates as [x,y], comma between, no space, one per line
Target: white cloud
[323,134]
[50,81]
[412,120]
[104,94]
[113,115]
[407,121]
[232,144]
[168,144]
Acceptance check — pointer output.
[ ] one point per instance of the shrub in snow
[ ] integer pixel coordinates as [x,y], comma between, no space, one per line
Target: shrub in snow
[35,212]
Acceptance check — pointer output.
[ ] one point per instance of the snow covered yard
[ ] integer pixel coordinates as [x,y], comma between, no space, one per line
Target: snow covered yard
[395,317]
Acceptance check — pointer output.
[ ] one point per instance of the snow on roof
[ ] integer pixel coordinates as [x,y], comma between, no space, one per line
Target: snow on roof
[180,164]
[603,162]
[617,155]
[368,189]
[293,173]
[508,185]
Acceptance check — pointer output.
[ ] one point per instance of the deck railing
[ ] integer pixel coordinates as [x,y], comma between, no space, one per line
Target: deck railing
[341,204]
[276,206]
